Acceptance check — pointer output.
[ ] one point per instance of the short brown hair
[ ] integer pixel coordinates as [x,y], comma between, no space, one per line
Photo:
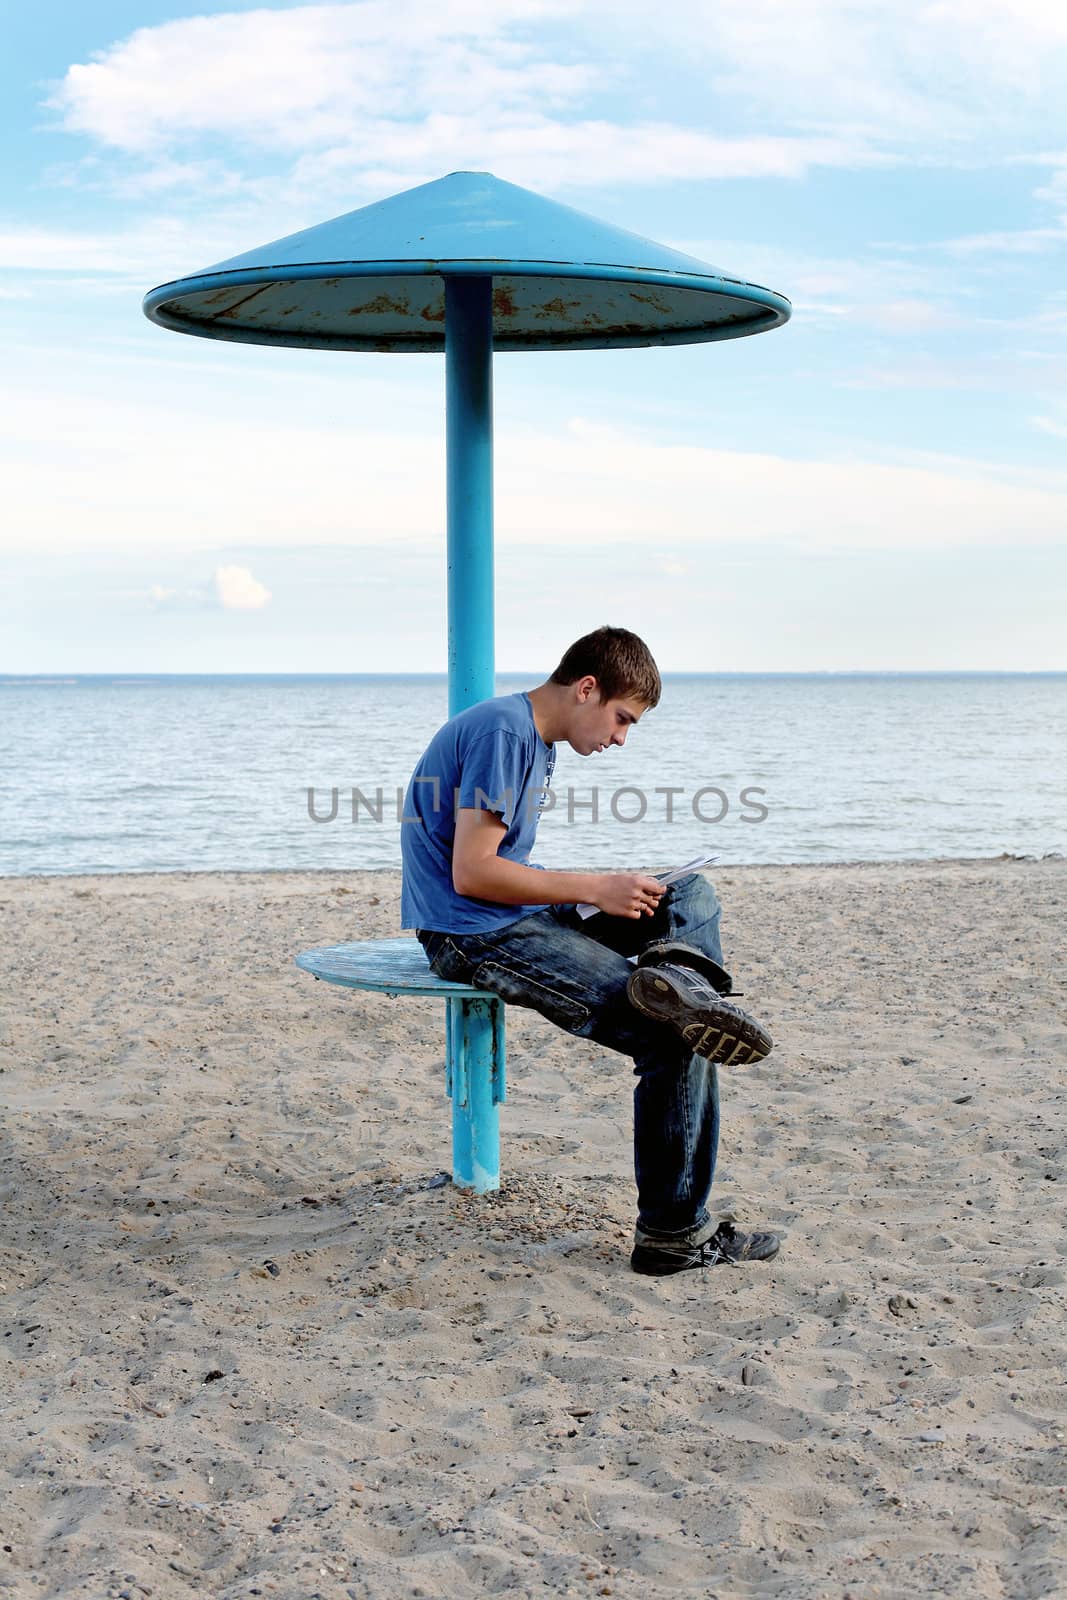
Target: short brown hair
[620,662]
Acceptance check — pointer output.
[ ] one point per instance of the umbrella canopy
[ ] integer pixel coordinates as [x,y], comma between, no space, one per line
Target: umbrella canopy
[374,279]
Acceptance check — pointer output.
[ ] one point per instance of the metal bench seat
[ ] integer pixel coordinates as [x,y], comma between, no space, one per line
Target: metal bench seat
[474,1041]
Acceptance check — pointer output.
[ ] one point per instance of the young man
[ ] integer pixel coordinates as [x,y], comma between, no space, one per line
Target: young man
[643,977]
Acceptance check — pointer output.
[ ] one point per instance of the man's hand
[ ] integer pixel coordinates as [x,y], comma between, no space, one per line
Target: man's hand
[627,894]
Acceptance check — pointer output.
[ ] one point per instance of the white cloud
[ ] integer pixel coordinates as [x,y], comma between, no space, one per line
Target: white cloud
[894,291]
[910,316]
[232,588]
[375,96]
[306,76]
[161,597]
[1057,428]
[539,151]
[109,474]
[1055,189]
[356,99]
[1021,242]
[1052,192]
[35,249]
[237,590]
[917,72]
[152,246]
[622,487]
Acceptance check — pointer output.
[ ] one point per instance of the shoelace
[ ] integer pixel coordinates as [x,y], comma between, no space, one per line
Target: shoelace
[712,1253]
[715,1252]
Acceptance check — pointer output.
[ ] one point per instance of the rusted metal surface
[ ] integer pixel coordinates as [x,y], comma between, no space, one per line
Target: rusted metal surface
[374,280]
[529,313]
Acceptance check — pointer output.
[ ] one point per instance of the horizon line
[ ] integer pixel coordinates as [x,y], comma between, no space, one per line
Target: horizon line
[69,677]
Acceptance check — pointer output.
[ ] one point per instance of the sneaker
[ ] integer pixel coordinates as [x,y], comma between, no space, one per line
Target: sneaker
[727,1246]
[711,1025]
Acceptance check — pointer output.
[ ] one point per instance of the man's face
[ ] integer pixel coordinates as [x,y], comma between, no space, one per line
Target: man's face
[600,723]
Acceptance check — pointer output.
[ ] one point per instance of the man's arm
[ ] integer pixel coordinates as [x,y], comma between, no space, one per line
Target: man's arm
[479,872]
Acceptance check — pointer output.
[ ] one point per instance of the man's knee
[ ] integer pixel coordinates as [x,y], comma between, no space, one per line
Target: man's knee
[696,895]
[618,1025]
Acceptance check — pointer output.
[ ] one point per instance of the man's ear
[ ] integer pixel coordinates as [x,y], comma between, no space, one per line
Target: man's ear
[586,686]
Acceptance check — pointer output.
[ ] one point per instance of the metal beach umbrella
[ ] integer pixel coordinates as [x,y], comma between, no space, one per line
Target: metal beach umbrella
[467,264]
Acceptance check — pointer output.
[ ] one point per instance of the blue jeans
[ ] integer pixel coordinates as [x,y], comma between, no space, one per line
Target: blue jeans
[574,973]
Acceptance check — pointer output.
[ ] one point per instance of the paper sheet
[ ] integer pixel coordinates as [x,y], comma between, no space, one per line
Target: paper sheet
[671,873]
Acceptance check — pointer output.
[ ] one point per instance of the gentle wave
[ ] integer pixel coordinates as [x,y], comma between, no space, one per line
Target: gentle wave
[117,775]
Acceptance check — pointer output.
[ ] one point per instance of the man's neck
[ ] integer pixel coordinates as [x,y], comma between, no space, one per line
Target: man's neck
[549,708]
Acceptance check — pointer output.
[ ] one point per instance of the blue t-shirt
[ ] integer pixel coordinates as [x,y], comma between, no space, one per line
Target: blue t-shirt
[489,757]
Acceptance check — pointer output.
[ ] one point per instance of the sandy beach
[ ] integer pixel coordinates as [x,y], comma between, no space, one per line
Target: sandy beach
[249,1349]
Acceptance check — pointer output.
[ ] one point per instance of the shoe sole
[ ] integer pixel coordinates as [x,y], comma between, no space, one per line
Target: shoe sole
[722,1033]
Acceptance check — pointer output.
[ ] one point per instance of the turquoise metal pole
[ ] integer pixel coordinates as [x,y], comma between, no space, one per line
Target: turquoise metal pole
[469,393]
[475,1046]
[475,1027]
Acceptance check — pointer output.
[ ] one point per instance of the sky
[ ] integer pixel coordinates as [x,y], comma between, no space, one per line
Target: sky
[879,485]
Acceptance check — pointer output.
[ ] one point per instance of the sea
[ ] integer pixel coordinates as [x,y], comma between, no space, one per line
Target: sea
[108,774]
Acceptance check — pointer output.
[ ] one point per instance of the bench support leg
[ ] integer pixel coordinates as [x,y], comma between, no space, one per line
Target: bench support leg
[474,1077]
